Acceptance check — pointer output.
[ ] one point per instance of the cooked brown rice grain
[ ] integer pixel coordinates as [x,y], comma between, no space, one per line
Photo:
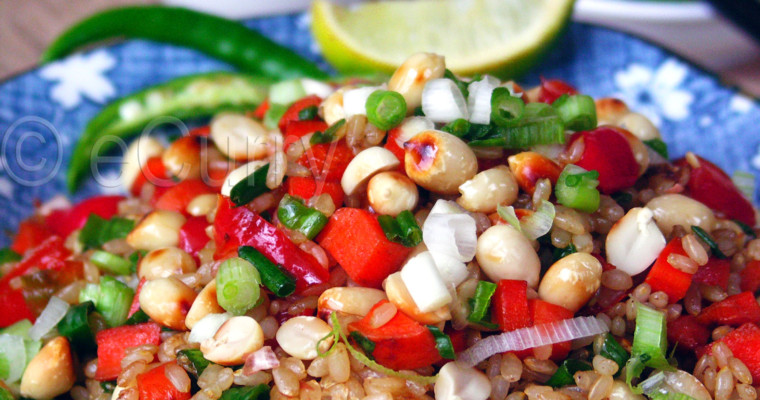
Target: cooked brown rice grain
[659,299]
[129,373]
[738,262]
[355,130]
[534,392]
[389,384]
[583,243]
[379,396]
[720,331]
[144,353]
[79,393]
[722,354]
[257,378]
[693,300]
[570,220]
[734,284]
[740,371]
[746,392]
[382,315]
[94,389]
[601,388]
[294,365]
[318,368]
[572,392]
[682,263]
[511,367]
[645,195]
[694,249]
[724,384]
[542,352]
[499,388]
[310,390]
[338,364]
[616,279]
[604,366]
[712,293]
[704,362]
[560,237]
[286,381]
[91,368]
[709,379]
[584,379]
[494,366]
[517,396]
[630,309]
[753,249]
[167,351]
[542,191]
[674,311]
[618,310]
[618,326]
[129,393]
[214,380]
[547,367]
[642,292]
[269,326]
[573,153]
[178,377]
[604,318]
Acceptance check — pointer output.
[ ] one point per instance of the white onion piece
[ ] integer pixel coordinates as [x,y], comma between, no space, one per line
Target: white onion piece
[451,269]
[57,202]
[207,326]
[260,360]
[317,88]
[424,283]
[13,351]
[454,235]
[50,317]
[534,336]
[446,207]
[479,99]
[442,101]
[410,127]
[355,100]
[655,158]
[540,222]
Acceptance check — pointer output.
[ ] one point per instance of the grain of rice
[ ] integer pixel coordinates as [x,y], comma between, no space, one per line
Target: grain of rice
[601,388]
[734,284]
[583,243]
[604,366]
[673,311]
[572,392]
[693,300]
[724,384]
[547,367]
[740,370]
[694,250]
[91,368]
[645,195]
[94,389]
[534,392]
[178,377]
[610,209]
[517,396]
[79,393]
[269,326]
[256,378]
[389,384]
[753,249]
[726,239]
[494,366]
[569,220]
[554,396]
[659,299]
[130,393]
[642,292]
[310,390]
[378,396]
[382,315]
[499,388]
[573,153]
[738,262]
[616,279]
[721,331]
[712,293]
[722,354]
[129,372]
[584,379]
[286,381]
[482,222]
[746,392]
[560,237]
[682,263]
[167,351]
[542,192]
[618,326]
[323,203]
[338,364]
[542,352]
[605,319]
[704,362]
[678,231]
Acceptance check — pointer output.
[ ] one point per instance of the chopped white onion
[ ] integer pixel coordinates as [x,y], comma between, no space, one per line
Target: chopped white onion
[534,336]
[13,354]
[424,282]
[479,99]
[540,222]
[260,360]
[655,158]
[446,207]
[355,100]
[410,127]
[317,88]
[454,235]
[451,269]
[207,326]
[443,102]
[57,202]
[745,182]
[511,87]
[50,317]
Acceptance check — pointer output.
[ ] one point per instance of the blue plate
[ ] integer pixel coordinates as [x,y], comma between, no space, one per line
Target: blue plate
[43,111]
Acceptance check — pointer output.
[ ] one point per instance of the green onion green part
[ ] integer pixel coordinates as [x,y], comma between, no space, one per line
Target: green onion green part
[328,135]
[308,113]
[273,277]
[481,301]
[237,285]
[97,231]
[506,110]
[138,317]
[7,255]
[461,85]
[576,188]
[296,216]
[540,124]
[563,252]
[442,343]
[565,372]
[403,229]
[649,343]
[114,301]
[75,326]
[274,114]
[705,237]
[253,186]
[745,228]
[385,109]
[365,343]
[111,262]
[578,112]
[607,346]
[258,392]
[658,146]
[195,358]
[459,127]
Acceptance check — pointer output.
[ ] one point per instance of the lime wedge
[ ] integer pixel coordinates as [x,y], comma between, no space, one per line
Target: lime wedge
[501,37]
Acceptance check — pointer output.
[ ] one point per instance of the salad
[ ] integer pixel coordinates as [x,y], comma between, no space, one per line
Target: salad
[432,236]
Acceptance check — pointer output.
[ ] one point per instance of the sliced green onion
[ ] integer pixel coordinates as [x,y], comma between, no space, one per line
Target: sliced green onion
[111,262]
[442,343]
[607,346]
[20,328]
[328,135]
[745,228]
[507,213]
[274,114]
[650,343]
[194,358]
[540,222]
[402,229]
[5,395]
[745,182]
[506,110]
[295,215]
[273,277]
[479,131]
[459,127]
[460,84]
[114,301]
[97,231]
[658,146]
[137,318]
[237,285]
[576,188]
[539,125]
[563,252]
[565,372]
[308,113]
[253,186]
[705,237]
[286,92]
[481,301]
[258,392]
[578,112]
[365,343]
[75,326]
[385,109]
[7,255]
[12,357]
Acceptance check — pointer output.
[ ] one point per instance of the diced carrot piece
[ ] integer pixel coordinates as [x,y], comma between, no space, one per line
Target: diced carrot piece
[306,188]
[664,277]
[113,344]
[155,385]
[734,310]
[510,305]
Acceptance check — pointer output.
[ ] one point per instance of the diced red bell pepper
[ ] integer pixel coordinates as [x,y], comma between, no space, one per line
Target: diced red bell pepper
[543,312]
[708,184]
[136,300]
[291,114]
[31,233]
[714,273]
[14,306]
[177,197]
[751,277]
[297,129]
[734,310]
[510,305]
[458,338]
[306,188]
[664,277]
[63,222]
[356,241]
[401,343]
[327,161]
[392,145]
[238,226]
[608,152]
[155,385]
[687,332]
[153,171]
[552,89]
[201,131]
[261,110]
[113,343]
[192,236]
[744,343]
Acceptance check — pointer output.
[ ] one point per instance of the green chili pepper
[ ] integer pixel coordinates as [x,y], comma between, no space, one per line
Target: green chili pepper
[218,37]
[189,96]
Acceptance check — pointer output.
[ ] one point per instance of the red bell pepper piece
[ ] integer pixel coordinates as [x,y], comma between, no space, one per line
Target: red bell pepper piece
[392,145]
[713,187]
[327,161]
[751,277]
[113,343]
[261,110]
[201,131]
[552,89]
[744,342]
[714,273]
[734,310]
[291,114]
[664,277]
[136,300]
[306,188]
[510,305]
[177,197]
[63,222]
[543,312]
[238,226]
[356,241]
[153,171]
[154,385]
[401,343]
[31,233]
[192,236]
[608,151]
[296,129]
[687,332]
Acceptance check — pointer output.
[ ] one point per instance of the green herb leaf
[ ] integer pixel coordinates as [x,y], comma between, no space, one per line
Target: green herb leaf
[195,358]
[565,372]
[258,392]
[251,187]
[97,231]
[705,237]
[7,255]
[308,113]
[367,345]
[563,252]
[481,301]
[328,135]
[745,228]
[138,317]
[658,146]
[461,85]
[403,229]
[442,343]
[459,127]
[75,326]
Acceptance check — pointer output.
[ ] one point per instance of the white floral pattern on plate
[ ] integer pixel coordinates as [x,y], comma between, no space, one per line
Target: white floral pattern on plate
[80,76]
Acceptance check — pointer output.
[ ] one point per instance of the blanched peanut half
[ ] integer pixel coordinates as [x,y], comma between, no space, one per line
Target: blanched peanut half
[390,193]
[299,336]
[489,189]
[163,263]
[621,391]
[457,381]
[571,281]
[204,304]
[640,126]
[182,158]
[349,300]
[239,137]
[201,205]
[331,108]
[234,340]
[138,153]
[634,242]
[399,296]
[609,110]
[240,173]
[51,371]
[167,301]
[410,78]
[439,161]
[676,209]
[366,164]
[157,230]
[505,253]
